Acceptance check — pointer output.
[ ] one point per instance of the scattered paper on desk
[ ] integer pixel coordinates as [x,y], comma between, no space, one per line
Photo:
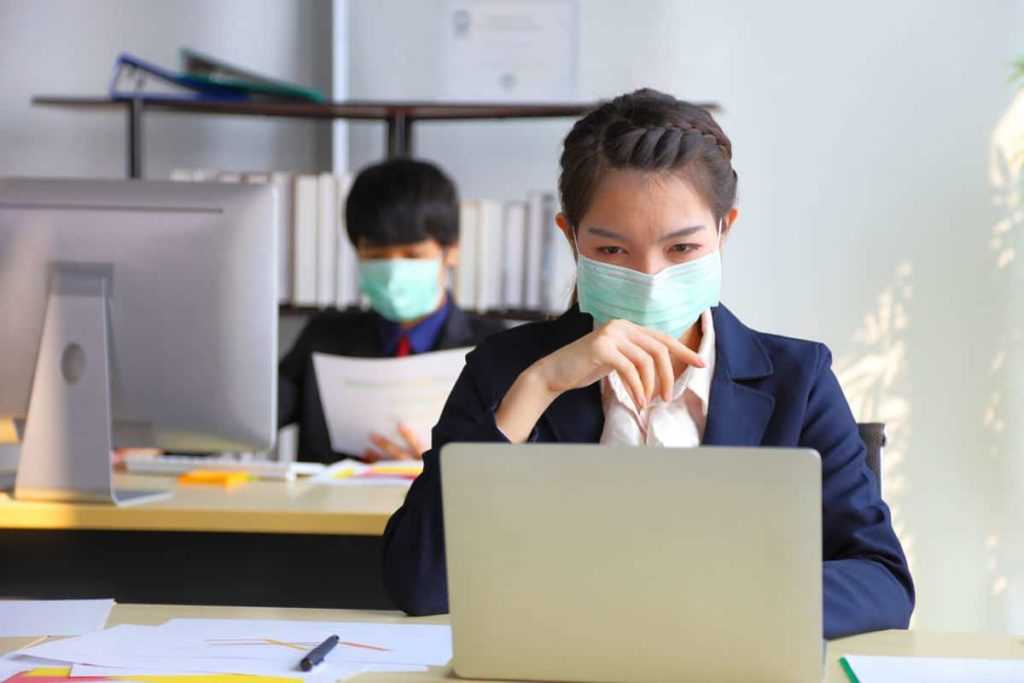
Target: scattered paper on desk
[60,674]
[260,647]
[384,473]
[870,669]
[361,396]
[52,617]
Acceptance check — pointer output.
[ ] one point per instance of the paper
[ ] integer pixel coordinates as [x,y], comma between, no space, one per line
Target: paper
[267,648]
[52,617]
[509,50]
[63,673]
[935,670]
[384,473]
[361,396]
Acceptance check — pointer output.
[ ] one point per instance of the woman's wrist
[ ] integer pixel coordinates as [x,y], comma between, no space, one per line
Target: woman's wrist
[524,403]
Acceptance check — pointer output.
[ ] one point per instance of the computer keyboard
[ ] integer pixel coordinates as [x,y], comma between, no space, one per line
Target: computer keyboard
[179,464]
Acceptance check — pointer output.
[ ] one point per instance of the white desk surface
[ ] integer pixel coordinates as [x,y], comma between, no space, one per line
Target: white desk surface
[899,643]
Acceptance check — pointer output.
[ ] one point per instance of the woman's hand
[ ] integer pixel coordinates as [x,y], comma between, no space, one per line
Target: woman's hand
[647,361]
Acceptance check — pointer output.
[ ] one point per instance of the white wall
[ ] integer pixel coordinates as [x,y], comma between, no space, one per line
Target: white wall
[65,47]
[862,135]
[69,47]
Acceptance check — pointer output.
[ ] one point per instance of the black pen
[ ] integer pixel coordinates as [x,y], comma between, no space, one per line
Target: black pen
[318,653]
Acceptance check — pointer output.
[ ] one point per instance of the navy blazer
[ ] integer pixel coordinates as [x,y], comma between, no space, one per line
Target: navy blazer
[349,333]
[766,390]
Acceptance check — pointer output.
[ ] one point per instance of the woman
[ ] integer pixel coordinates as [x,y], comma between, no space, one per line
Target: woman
[648,356]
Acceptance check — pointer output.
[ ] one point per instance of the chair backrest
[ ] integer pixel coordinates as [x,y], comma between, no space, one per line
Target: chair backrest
[873,436]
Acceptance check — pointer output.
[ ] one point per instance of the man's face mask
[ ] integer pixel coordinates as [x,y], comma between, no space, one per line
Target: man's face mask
[401,289]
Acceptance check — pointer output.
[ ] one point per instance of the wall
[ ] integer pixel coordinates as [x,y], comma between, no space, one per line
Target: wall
[862,136]
[67,47]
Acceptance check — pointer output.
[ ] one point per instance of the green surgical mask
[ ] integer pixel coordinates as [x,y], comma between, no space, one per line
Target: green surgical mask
[669,301]
[401,289]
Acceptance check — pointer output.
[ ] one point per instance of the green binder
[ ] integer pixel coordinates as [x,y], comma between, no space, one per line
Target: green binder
[217,72]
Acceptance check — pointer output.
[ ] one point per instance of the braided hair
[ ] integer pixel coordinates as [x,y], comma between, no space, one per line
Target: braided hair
[649,131]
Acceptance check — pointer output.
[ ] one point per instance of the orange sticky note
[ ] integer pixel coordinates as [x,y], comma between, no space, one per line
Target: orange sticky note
[226,478]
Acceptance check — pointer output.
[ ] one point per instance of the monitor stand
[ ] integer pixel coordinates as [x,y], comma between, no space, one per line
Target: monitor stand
[65,451]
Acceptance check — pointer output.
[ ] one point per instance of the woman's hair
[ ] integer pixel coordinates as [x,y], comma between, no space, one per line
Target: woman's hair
[647,130]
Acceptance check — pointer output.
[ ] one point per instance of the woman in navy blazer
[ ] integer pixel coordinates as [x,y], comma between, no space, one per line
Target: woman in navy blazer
[648,195]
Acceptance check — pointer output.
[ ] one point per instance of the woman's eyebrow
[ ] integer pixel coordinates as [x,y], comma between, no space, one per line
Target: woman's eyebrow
[685,232]
[604,232]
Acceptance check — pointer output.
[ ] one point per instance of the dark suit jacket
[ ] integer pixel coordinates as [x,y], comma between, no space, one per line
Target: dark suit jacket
[348,333]
[766,391]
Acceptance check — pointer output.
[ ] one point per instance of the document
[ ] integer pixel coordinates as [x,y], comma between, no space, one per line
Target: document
[257,647]
[867,669]
[52,617]
[361,396]
[383,473]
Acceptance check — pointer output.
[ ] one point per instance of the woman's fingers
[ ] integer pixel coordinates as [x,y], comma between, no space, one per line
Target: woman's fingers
[644,363]
[629,374]
[663,362]
[675,347]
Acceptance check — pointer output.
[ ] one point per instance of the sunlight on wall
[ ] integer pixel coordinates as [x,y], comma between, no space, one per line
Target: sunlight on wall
[874,379]
[1002,412]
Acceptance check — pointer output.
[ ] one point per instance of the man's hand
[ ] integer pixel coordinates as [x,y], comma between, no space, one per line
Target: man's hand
[387,449]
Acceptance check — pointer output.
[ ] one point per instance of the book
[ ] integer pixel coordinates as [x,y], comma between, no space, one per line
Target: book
[327,241]
[304,262]
[285,187]
[213,71]
[513,286]
[536,232]
[465,280]
[348,263]
[559,264]
[489,256]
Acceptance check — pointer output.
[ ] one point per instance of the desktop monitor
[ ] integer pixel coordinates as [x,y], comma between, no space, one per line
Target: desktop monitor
[134,314]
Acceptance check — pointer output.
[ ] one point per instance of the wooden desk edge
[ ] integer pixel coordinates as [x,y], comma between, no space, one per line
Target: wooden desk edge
[87,517]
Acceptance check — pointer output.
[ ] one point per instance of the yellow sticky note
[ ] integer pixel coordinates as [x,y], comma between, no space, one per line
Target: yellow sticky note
[7,431]
[226,478]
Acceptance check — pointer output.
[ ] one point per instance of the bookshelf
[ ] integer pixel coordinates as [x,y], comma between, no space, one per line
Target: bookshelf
[398,117]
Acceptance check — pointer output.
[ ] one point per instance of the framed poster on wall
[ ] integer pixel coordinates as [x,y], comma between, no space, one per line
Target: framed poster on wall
[509,50]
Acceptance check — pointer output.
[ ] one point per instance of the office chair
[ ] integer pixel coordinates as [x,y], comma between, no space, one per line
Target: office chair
[873,436]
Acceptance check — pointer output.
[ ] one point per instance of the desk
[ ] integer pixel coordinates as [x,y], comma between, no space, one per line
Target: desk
[264,543]
[907,643]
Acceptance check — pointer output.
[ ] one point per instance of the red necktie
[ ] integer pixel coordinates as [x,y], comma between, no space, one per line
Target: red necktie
[404,348]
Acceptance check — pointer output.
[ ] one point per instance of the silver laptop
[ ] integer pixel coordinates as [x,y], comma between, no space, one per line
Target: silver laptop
[589,563]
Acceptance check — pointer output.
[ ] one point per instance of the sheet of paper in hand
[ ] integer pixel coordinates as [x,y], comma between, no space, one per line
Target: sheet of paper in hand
[361,396]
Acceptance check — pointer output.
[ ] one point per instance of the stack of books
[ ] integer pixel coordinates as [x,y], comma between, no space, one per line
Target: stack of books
[512,257]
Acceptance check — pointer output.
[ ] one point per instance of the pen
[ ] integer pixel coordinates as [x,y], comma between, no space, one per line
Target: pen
[318,653]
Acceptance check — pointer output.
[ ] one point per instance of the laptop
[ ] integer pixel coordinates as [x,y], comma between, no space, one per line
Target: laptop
[591,563]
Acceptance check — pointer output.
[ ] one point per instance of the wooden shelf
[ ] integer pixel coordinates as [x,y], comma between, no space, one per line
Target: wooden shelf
[357,110]
[505,314]
[399,116]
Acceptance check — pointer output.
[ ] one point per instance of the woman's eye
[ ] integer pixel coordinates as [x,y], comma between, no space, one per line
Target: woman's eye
[683,248]
[611,251]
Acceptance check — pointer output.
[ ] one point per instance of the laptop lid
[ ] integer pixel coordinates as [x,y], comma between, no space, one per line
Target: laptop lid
[588,563]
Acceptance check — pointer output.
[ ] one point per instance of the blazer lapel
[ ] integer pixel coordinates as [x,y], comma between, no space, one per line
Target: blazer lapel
[457,331]
[737,412]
